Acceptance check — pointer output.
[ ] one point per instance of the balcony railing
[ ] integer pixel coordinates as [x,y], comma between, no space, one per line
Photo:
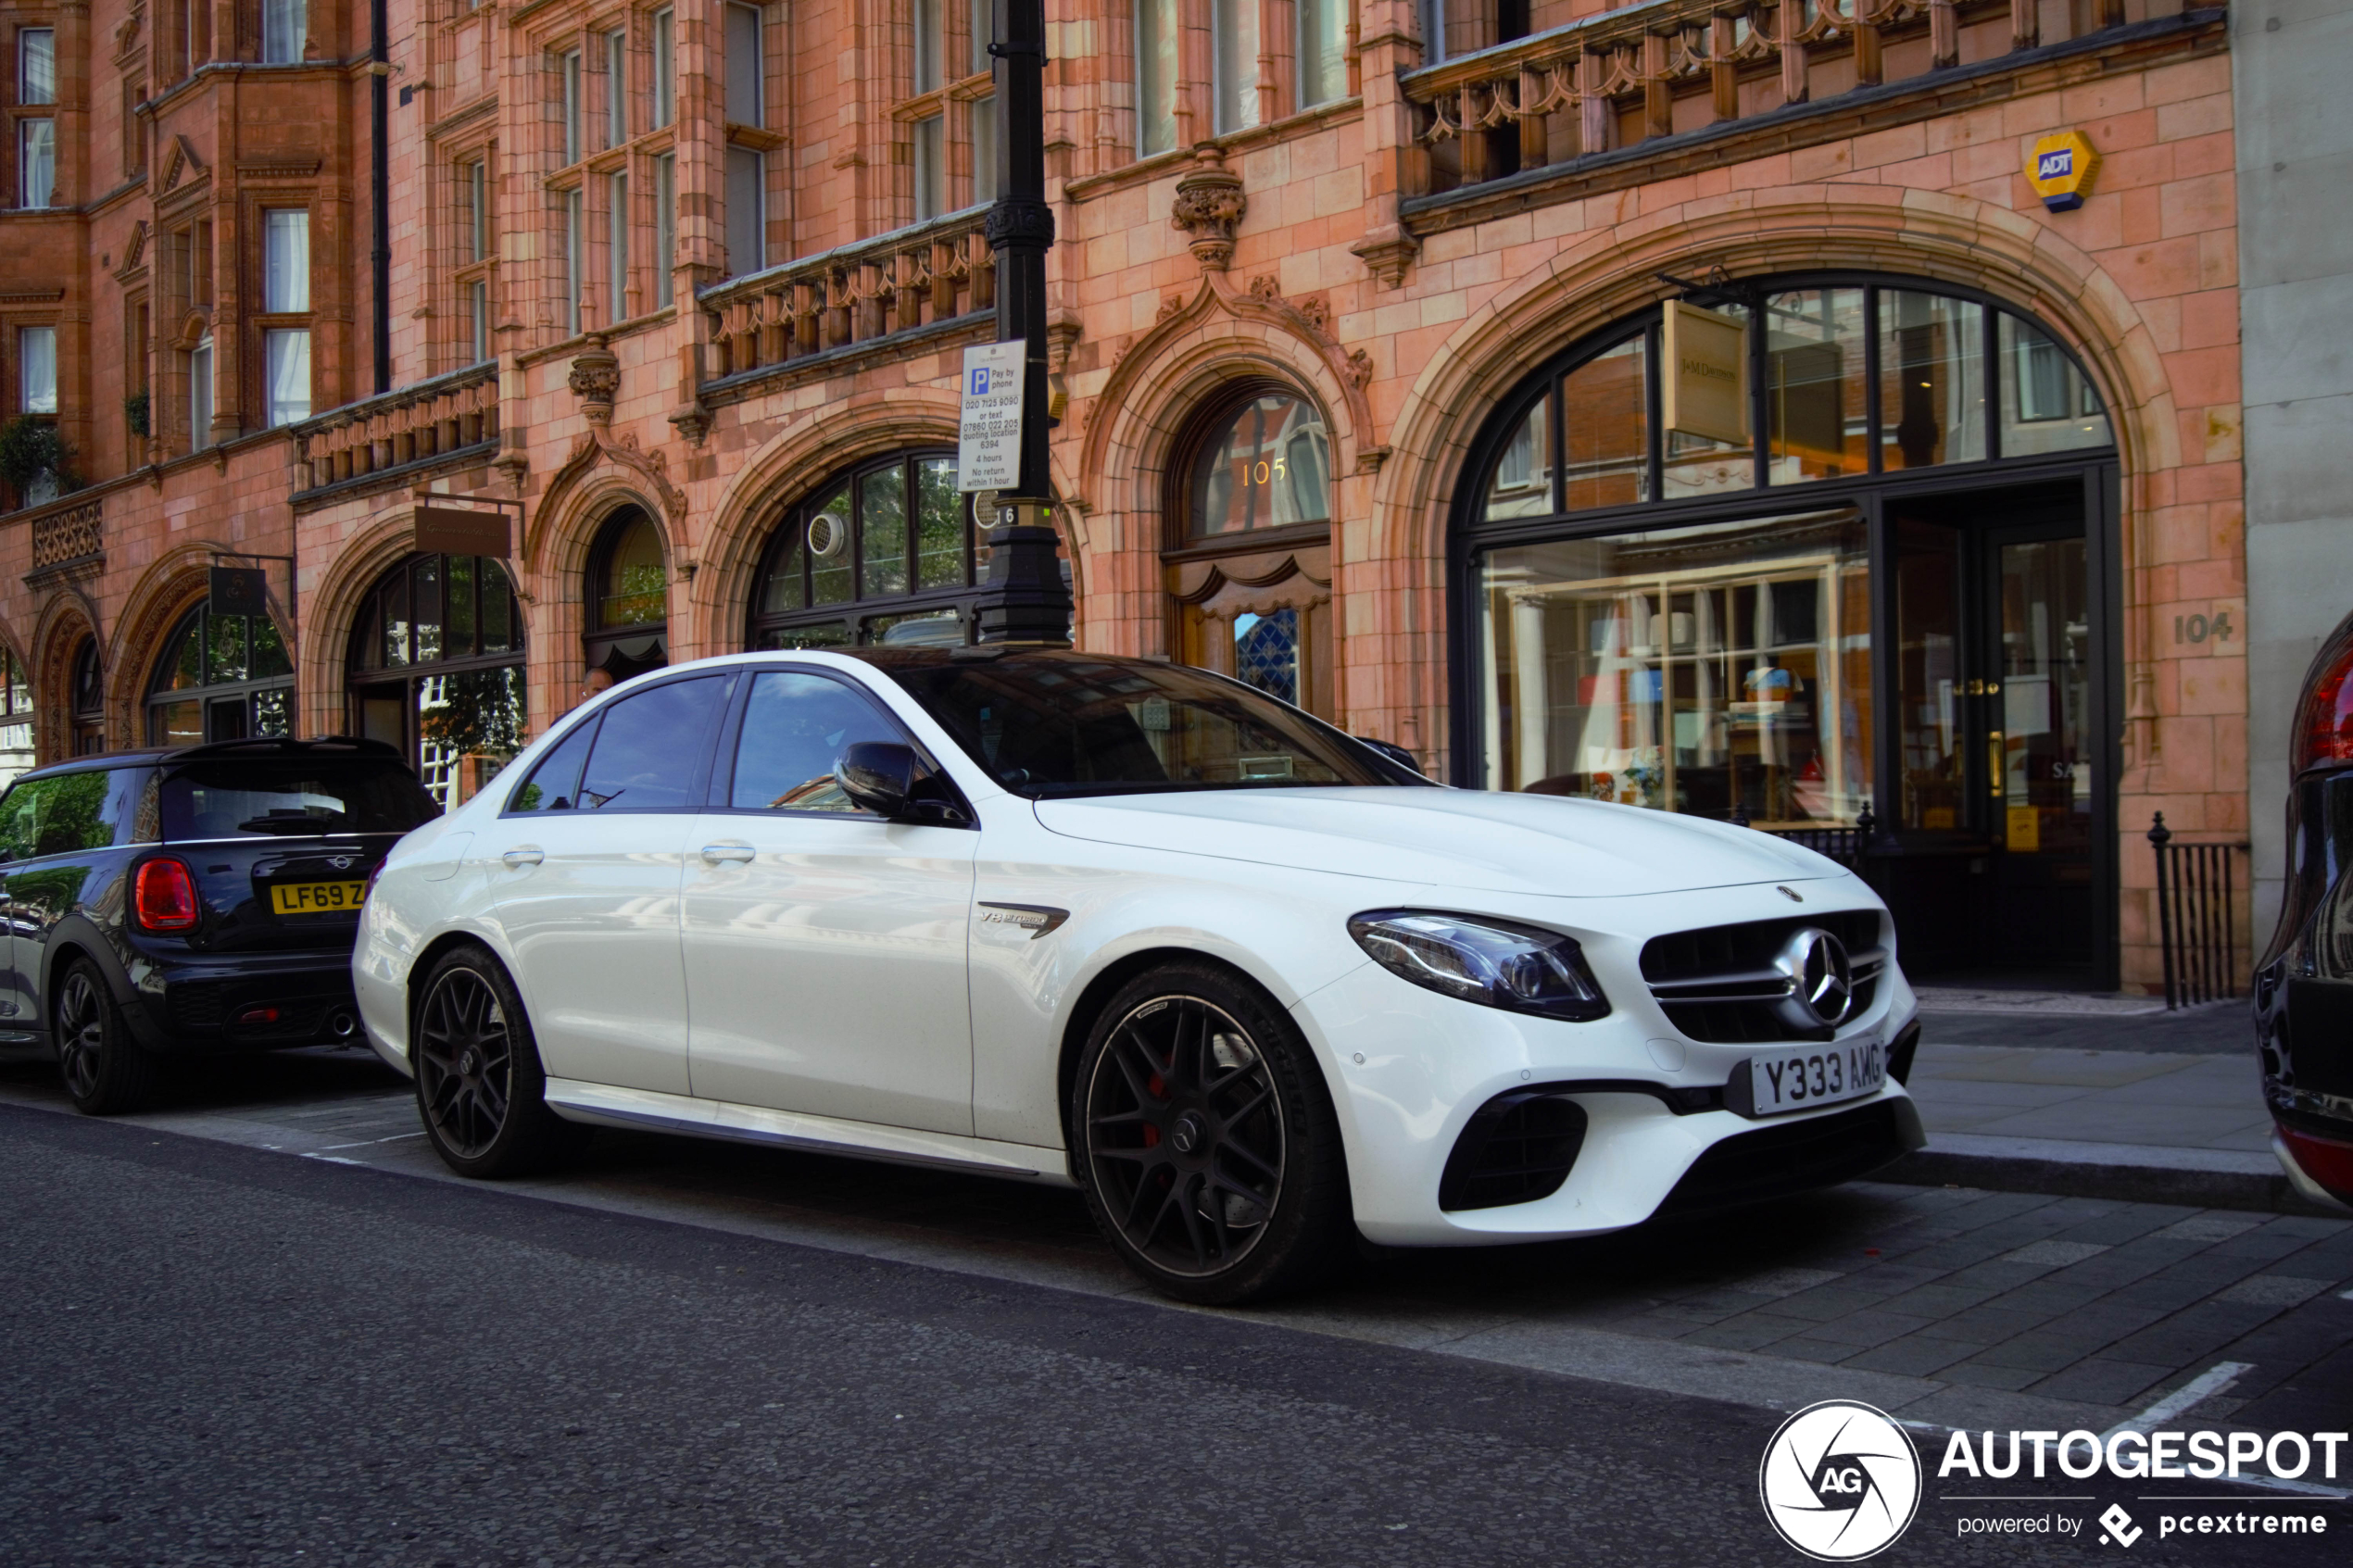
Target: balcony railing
[1671,67]
[415,423]
[858,293]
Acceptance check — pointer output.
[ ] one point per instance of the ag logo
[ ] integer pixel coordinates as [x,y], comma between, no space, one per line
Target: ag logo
[1840,1481]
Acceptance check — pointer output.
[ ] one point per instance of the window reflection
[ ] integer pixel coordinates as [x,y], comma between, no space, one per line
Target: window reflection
[1687,670]
[1814,386]
[221,677]
[1523,482]
[1932,356]
[1605,427]
[1269,468]
[893,539]
[2047,405]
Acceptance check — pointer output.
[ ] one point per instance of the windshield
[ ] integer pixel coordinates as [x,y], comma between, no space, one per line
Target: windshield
[1065,724]
[286,800]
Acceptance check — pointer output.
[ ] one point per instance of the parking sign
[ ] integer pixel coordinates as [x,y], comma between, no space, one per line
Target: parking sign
[989,427]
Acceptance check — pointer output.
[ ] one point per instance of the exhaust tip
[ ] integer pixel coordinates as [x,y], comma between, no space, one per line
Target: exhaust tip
[342,1026]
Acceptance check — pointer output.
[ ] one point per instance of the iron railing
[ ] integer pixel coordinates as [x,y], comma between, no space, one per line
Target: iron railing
[1845,845]
[2195,923]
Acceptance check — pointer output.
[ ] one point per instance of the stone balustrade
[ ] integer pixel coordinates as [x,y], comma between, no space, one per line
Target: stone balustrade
[863,292]
[1643,73]
[404,426]
[64,535]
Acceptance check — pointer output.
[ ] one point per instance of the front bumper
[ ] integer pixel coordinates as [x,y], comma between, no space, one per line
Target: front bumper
[1410,1069]
[186,1006]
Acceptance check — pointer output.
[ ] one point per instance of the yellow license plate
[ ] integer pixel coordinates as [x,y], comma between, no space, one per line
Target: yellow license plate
[316,897]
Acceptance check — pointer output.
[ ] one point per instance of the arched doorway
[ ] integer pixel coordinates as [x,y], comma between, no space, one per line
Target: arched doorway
[88,695]
[1798,549]
[1247,562]
[435,667]
[883,553]
[628,598]
[221,677]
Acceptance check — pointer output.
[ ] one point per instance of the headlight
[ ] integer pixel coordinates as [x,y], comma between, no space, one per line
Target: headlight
[1496,963]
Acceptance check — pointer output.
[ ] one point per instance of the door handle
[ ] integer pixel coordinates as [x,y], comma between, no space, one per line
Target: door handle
[523,857]
[720,854]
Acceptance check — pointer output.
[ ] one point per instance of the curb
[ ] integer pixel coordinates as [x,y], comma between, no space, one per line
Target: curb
[2199,1178]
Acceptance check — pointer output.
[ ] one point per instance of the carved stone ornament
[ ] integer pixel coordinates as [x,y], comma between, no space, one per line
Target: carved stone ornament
[1386,253]
[596,380]
[1209,208]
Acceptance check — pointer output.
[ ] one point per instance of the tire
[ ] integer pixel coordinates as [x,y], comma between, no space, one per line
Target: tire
[1207,1143]
[106,1072]
[480,1090]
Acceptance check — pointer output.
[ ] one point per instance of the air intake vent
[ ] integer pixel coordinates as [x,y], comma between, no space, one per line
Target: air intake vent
[1517,1149]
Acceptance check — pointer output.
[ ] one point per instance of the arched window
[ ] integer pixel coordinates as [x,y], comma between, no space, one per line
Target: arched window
[1249,562]
[16,716]
[628,598]
[1791,551]
[221,677]
[1264,464]
[436,668]
[89,698]
[883,553]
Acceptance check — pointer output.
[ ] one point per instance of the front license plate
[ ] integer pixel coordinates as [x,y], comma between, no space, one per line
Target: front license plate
[316,897]
[1797,1079]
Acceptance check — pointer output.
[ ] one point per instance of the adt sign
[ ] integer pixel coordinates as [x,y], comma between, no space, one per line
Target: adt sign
[2060,167]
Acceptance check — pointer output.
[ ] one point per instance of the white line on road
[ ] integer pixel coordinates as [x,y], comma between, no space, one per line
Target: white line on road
[2204,1386]
[371,1143]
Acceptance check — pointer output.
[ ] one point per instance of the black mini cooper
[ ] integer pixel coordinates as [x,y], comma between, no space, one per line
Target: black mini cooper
[196,900]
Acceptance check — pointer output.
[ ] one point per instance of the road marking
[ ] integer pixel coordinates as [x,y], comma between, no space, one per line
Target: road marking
[331,1158]
[371,1143]
[2204,1386]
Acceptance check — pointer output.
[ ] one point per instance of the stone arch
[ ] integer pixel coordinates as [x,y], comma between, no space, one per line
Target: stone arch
[172,585]
[67,617]
[331,607]
[1132,430]
[1398,581]
[559,563]
[868,425]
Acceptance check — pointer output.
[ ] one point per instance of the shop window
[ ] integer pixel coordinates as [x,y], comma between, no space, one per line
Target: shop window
[1815,386]
[884,555]
[628,598]
[1932,357]
[1707,669]
[16,716]
[435,667]
[88,698]
[1268,466]
[2048,403]
[221,677]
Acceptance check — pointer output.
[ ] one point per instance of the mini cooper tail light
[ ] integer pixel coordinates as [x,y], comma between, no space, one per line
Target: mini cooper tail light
[2324,722]
[164,897]
[1495,963]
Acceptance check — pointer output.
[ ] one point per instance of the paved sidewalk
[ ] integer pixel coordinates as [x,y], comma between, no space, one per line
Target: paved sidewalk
[2094,1097]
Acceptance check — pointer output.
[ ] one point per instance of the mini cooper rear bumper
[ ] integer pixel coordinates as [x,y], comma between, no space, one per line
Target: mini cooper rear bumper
[246,1002]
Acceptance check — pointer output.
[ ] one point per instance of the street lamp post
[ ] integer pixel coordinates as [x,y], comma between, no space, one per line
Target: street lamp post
[1027,601]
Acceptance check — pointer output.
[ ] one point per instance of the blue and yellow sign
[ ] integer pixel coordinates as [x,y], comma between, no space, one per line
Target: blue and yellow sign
[2060,169]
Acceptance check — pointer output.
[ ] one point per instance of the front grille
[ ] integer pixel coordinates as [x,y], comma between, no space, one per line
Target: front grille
[1718,984]
[1517,1149]
[1797,1157]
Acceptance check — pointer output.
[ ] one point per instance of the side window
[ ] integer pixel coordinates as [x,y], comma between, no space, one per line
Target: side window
[643,759]
[21,814]
[554,786]
[796,727]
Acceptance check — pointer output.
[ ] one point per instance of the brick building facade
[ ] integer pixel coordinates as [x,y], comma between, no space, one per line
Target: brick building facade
[1386,331]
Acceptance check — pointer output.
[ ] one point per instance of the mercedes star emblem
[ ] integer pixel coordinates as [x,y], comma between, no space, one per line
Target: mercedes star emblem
[1821,980]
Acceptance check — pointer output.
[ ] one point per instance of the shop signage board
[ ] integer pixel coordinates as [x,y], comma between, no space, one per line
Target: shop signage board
[455,530]
[239,590]
[1705,380]
[988,426]
[2060,167]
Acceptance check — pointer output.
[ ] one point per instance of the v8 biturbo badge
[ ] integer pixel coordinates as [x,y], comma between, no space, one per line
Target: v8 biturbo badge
[2060,169]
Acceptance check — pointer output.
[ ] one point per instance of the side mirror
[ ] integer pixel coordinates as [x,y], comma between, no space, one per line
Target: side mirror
[877,776]
[1396,754]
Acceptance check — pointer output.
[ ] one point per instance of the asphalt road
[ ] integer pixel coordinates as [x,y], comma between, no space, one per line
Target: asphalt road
[212,1354]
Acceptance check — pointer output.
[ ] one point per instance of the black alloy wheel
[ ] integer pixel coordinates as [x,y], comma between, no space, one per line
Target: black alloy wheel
[479,1087]
[105,1072]
[1211,1157]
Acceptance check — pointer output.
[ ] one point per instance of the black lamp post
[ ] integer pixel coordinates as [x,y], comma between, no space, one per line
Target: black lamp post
[1027,601]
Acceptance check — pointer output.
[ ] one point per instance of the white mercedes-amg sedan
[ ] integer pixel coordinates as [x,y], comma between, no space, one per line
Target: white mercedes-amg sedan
[1253,986]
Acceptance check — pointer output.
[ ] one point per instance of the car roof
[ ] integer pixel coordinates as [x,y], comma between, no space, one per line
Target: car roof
[256,750]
